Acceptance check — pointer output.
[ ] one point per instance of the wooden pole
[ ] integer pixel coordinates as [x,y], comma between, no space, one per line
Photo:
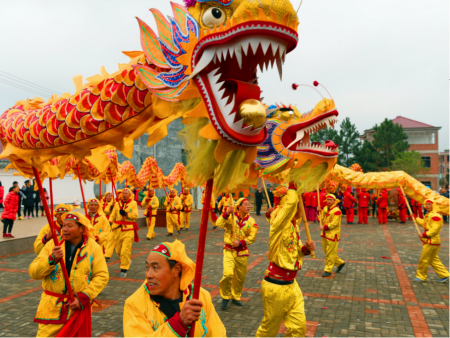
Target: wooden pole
[51,222]
[318,203]
[410,212]
[308,235]
[82,191]
[201,246]
[51,196]
[267,195]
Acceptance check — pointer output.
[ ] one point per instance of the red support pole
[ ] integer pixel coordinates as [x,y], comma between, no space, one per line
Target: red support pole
[165,191]
[82,191]
[113,185]
[51,196]
[201,245]
[52,228]
[100,190]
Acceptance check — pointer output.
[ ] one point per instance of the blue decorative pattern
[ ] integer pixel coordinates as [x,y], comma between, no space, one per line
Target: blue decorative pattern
[203,322]
[89,277]
[54,274]
[155,324]
[267,154]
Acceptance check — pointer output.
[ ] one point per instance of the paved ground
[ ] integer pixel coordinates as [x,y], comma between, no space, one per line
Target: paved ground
[372,296]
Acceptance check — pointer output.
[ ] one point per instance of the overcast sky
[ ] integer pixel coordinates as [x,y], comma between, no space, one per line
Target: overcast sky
[378,58]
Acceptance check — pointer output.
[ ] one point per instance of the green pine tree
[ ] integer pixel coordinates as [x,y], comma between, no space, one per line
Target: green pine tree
[390,141]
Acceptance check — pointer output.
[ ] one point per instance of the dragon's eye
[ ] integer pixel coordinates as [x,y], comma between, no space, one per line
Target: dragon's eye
[213,16]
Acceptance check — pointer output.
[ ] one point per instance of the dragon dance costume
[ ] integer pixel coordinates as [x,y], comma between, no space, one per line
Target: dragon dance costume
[235,259]
[173,206]
[125,230]
[88,276]
[349,200]
[151,205]
[41,239]
[143,317]
[382,203]
[331,235]
[102,228]
[282,297]
[226,201]
[363,206]
[186,200]
[432,223]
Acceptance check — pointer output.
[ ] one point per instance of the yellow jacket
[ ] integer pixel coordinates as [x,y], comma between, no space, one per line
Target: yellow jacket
[106,207]
[226,202]
[153,202]
[40,242]
[213,200]
[142,317]
[236,229]
[101,228]
[88,277]
[126,222]
[186,201]
[331,220]
[432,223]
[285,247]
[173,202]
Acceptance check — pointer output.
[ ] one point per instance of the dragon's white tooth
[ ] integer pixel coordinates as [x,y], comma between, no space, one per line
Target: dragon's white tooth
[228,108]
[261,67]
[238,125]
[219,55]
[265,45]
[245,45]
[230,118]
[254,43]
[282,50]
[231,50]
[238,53]
[280,68]
[206,59]
[298,137]
[266,63]
[225,53]
[275,45]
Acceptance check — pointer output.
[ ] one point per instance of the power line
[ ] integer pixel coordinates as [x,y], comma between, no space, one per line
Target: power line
[28,83]
[24,88]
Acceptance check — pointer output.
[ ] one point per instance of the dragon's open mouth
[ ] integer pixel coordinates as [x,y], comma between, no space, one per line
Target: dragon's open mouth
[227,62]
[296,138]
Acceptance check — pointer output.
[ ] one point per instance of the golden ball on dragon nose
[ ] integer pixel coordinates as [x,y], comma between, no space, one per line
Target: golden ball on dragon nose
[253,112]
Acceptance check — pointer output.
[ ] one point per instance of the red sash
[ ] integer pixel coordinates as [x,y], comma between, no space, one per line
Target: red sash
[135,228]
[276,271]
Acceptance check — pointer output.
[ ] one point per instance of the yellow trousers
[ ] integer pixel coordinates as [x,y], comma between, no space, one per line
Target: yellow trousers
[331,257]
[282,303]
[110,244]
[151,221]
[185,220]
[49,330]
[124,242]
[234,273]
[171,221]
[429,257]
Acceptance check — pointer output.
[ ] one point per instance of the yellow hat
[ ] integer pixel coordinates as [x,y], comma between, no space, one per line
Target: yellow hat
[240,201]
[83,220]
[63,208]
[332,196]
[93,200]
[176,251]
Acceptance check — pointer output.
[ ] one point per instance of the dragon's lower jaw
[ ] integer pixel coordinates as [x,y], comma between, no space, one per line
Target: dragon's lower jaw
[227,75]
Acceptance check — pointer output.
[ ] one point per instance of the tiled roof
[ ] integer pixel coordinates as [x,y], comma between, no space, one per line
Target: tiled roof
[408,123]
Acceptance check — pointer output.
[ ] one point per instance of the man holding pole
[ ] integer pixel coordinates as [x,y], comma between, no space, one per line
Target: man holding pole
[282,297]
[363,204]
[186,200]
[432,223]
[87,271]
[240,232]
[173,206]
[101,225]
[331,234]
[151,205]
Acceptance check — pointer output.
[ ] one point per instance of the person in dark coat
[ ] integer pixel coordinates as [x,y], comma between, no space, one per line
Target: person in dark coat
[259,200]
[37,200]
[28,199]
[9,214]
[271,198]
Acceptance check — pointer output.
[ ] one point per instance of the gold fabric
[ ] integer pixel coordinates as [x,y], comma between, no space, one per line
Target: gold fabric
[233,232]
[38,245]
[234,273]
[172,219]
[123,243]
[432,223]
[185,218]
[331,257]
[151,221]
[332,220]
[153,202]
[282,303]
[429,257]
[48,330]
[102,228]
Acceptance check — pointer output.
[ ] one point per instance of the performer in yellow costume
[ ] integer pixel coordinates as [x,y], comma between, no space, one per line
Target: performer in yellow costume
[331,234]
[212,216]
[123,218]
[226,201]
[240,232]
[107,204]
[186,200]
[282,297]
[151,205]
[87,271]
[111,241]
[173,206]
[432,223]
[101,225]
[162,307]
[45,235]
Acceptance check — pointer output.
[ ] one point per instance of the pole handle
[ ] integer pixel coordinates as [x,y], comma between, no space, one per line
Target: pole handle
[410,212]
[308,234]
[267,195]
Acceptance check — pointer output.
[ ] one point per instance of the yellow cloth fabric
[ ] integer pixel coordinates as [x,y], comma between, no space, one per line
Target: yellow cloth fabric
[282,303]
[102,230]
[429,257]
[186,201]
[432,223]
[132,214]
[49,330]
[285,246]
[123,243]
[332,220]
[172,217]
[142,317]
[153,202]
[89,229]
[90,276]
[151,221]
[234,273]
[226,202]
[331,257]
[68,207]
[172,221]
[110,244]
[233,232]
[172,203]
[38,245]
[185,218]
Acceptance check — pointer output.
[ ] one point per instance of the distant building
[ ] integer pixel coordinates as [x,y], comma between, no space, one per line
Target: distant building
[444,164]
[422,138]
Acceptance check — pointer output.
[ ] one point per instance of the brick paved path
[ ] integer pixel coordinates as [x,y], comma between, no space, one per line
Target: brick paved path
[372,296]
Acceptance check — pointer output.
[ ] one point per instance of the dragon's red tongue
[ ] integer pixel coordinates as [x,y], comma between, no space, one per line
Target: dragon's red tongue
[243,90]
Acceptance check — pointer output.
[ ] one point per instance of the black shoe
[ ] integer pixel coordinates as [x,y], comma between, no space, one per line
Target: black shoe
[148,239]
[236,302]
[186,229]
[107,259]
[169,235]
[340,267]
[214,228]
[326,274]
[179,231]
[224,304]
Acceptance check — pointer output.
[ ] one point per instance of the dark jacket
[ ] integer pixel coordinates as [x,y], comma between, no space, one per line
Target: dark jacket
[259,197]
[271,198]
[28,196]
